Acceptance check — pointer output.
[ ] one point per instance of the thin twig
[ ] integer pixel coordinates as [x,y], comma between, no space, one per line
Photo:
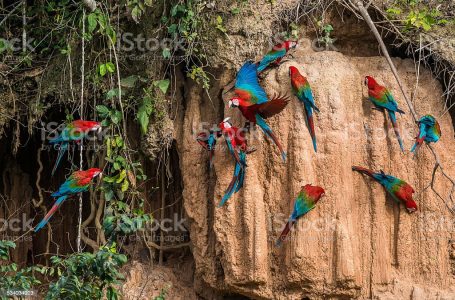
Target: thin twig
[11,12]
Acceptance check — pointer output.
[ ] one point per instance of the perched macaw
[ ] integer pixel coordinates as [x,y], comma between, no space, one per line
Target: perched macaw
[238,147]
[235,138]
[397,188]
[301,88]
[74,131]
[208,142]
[276,54]
[77,182]
[253,102]
[429,131]
[383,99]
[306,200]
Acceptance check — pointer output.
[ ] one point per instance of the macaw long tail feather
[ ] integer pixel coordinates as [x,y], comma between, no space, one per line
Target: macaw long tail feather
[363,171]
[236,156]
[50,213]
[232,150]
[419,139]
[232,185]
[268,132]
[417,144]
[393,118]
[229,191]
[61,152]
[309,114]
[284,233]
[242,172]
[315,108]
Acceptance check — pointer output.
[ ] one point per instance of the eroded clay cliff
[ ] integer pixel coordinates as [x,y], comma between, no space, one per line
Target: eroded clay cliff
[357,242]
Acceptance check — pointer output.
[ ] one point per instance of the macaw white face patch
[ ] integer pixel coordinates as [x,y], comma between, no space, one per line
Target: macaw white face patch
[226,123]
[233,102]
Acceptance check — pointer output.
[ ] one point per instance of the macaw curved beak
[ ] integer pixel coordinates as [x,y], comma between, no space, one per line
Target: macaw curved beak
[366,81]
[411,209]
[96,128]
[230,103]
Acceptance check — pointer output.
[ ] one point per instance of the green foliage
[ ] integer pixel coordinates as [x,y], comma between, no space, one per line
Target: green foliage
[219,24]
[138,7]
[103,69]
[87,275]
[98,22]
[120,178]
[143,114]
[12,277]
[292,33]
[200,76]
[415,15]
[163,293]
[326,30]
[188,23]
[109,116]
[184,21]
[149,105]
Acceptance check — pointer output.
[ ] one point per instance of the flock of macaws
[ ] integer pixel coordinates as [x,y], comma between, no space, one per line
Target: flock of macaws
[78,181]
[254,104]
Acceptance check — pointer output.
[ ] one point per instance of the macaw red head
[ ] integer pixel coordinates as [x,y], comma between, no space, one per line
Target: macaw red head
[315,192]
[87,125]
[93,172]
[411,206]
[290,44]
[293,71]
[370,82]
[234,102]
[407,192]
[226,124]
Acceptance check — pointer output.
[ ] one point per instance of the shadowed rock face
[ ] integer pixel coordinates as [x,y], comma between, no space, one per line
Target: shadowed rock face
[357,242]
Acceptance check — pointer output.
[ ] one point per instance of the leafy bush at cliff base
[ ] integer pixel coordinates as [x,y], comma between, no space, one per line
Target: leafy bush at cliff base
[13,278]
[87,275]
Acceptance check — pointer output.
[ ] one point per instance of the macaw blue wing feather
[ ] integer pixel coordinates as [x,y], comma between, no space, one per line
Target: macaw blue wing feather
[247,85]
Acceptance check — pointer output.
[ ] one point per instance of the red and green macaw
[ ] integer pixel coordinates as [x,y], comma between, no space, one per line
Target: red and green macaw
[237,145]
[77,182]
[398,189]
[301,88]
[74,131]
[252,101]
[275,55]
[306,200]
[429,131]
[208,142]
[383,99]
